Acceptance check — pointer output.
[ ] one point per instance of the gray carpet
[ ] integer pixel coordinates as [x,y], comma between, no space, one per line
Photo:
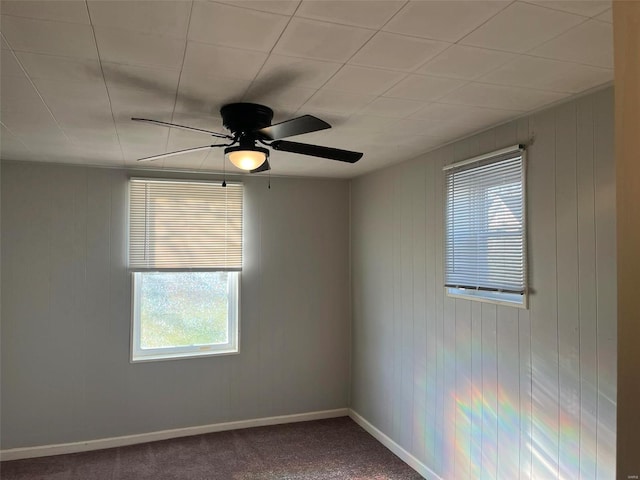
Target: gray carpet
[325,449]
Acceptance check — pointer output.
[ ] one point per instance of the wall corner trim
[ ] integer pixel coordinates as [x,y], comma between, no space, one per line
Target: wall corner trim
[112,442]
[404,455]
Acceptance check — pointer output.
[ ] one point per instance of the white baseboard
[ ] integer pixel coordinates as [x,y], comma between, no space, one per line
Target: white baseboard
[75,447]
[405,456]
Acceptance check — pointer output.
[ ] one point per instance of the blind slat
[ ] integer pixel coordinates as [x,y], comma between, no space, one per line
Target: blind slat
[182,224]
[484,245]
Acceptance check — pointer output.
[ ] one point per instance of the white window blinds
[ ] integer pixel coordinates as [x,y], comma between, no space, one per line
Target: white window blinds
[176,224]
[485,224]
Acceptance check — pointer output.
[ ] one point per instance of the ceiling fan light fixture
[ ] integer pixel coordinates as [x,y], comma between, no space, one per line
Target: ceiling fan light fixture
[246,158]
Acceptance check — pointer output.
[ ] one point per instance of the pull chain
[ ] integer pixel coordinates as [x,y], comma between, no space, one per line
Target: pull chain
[224,171]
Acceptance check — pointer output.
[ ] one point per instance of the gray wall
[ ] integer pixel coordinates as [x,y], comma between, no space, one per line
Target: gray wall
[66,374]
[471,389]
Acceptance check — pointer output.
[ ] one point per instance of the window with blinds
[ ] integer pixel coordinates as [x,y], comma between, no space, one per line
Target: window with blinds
[185,255]
[485,244]
[176,224]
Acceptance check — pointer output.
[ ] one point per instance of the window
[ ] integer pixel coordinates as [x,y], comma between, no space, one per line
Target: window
[485,244]
[185,255]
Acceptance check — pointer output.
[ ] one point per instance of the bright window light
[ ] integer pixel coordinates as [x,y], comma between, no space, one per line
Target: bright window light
[178,314]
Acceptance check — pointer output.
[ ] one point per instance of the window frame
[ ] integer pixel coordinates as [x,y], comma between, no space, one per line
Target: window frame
[232,347]
[479,294]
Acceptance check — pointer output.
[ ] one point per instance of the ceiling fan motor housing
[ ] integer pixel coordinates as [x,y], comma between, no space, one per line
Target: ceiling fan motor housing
[241,118]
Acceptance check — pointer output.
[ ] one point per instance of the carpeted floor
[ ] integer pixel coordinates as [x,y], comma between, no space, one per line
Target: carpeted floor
[325,449]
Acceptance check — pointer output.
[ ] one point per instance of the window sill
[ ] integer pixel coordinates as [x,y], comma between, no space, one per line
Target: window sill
[505,303]
[184,355]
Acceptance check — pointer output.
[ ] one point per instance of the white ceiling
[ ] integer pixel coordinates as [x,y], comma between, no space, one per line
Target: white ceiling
[395,78]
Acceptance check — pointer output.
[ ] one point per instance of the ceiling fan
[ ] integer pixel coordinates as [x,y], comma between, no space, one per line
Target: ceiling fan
[252,131]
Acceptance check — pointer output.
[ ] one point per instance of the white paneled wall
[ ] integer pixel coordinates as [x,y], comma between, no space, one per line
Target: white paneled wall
[66,311]
[475,390]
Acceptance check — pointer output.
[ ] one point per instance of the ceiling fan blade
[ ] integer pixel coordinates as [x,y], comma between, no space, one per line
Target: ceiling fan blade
[262,168]
[183,127]
[178,152]
[295,126]
[317,151]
